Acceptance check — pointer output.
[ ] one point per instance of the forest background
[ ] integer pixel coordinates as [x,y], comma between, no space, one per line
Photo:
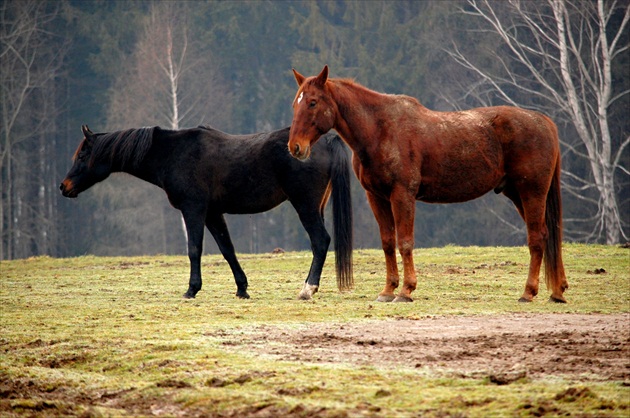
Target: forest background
[125,64]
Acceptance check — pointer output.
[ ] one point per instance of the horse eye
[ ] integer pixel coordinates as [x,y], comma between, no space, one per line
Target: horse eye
[312,103]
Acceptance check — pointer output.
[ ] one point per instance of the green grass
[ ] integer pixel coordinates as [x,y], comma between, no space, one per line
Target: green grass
[97,336]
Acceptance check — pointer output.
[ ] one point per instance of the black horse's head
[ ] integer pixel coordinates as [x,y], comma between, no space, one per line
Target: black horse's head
[86,170]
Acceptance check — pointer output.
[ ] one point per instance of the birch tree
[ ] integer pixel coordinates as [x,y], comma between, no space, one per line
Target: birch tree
[558,57]
[169,79]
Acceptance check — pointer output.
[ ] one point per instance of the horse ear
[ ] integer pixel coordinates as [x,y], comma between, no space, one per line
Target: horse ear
[323,76]
[298,77]
[87,133]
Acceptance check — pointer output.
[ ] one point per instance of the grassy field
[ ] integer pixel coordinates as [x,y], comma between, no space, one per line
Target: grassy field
[94,336]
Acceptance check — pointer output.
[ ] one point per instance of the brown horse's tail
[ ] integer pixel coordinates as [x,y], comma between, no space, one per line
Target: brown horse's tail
[342,214]
[554,267]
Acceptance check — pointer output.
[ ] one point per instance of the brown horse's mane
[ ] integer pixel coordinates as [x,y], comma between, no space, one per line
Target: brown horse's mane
[364,92]
[128,147]
[350,82]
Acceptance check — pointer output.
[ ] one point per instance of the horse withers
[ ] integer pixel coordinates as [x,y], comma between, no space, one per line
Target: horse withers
[403,152]
[207,173]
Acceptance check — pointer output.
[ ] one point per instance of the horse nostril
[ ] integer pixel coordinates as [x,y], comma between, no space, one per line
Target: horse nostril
[296,149]
[61,186]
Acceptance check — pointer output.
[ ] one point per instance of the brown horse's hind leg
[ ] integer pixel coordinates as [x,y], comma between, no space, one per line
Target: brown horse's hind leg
[385,219]
[532,284]
[535,261]
[533,212]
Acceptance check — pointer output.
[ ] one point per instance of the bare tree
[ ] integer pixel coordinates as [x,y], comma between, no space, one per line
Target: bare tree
[30,59]
[558,57]
[169,79]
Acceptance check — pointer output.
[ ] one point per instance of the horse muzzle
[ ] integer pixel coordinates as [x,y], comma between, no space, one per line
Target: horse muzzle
[67,189]
[300,152]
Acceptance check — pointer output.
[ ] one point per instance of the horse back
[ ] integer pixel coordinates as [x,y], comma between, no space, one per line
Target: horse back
[463,155]
[242,174]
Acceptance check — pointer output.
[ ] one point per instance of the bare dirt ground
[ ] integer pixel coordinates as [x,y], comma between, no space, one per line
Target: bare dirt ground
[504,348]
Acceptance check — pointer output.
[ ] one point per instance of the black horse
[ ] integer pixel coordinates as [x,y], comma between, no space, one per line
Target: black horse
[207,173]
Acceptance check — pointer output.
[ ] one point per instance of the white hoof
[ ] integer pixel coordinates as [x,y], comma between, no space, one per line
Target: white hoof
[307,292]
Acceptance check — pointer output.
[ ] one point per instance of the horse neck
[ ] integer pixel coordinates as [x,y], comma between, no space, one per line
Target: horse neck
[358,113]
[132,156]
[143,169]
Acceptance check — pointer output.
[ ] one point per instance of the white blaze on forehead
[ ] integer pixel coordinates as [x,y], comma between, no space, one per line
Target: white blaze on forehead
[300,97]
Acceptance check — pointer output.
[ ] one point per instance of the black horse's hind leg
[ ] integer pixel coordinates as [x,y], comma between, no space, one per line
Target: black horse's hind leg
[313,221]
[194,229]
[218,228]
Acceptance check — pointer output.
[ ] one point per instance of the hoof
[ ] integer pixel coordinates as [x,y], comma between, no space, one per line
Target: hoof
[307,292]
[525,300]
[385,298]
[242,295]
[403,298]
[304,296]
[557,299]
[189,295]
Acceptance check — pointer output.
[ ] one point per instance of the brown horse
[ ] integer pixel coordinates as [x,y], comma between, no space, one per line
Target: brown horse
[403,152]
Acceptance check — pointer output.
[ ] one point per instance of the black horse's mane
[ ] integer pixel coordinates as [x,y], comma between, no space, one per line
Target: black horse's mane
[127,147]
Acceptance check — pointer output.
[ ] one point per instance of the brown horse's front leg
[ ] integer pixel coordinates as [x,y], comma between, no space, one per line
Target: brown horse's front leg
[385,219]
[403,208]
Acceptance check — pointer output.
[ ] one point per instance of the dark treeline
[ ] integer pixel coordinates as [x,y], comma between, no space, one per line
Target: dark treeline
[126,64]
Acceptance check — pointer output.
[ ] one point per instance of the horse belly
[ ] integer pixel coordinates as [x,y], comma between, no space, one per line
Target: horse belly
[454,179]
[446,193]
[256,201]
[246,193]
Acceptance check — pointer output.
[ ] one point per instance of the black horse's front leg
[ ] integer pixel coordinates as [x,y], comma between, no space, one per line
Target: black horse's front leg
[194,229]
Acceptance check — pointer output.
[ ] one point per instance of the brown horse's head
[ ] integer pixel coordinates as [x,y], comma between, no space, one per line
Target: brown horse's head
[313,113]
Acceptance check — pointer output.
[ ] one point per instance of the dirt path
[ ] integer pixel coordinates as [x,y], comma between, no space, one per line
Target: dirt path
[504,348]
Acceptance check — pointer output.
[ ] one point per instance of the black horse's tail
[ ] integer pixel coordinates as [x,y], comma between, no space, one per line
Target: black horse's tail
[342,213]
